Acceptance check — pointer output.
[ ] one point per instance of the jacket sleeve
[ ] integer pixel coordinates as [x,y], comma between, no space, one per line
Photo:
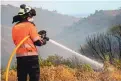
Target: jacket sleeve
[35,36]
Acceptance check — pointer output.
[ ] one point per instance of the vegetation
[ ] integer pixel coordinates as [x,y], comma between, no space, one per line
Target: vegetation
[105,46]
[56,68]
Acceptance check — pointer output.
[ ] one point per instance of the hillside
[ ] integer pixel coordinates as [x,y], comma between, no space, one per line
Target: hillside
[98,22]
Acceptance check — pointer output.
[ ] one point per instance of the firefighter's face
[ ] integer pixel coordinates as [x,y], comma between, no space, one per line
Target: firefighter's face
[30,19]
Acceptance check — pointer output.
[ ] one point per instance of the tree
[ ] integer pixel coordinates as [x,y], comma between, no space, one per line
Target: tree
[100,46]
[116,32]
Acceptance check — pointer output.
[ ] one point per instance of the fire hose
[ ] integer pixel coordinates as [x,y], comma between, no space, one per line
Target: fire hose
[11,56]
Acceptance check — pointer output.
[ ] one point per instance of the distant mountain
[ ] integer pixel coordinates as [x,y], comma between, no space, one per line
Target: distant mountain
[81,15]
[98,22]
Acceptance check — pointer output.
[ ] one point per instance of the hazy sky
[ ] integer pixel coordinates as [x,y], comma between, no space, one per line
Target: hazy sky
[70,6]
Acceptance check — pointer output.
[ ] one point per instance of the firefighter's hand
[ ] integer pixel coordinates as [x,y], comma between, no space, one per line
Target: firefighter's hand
[44,41]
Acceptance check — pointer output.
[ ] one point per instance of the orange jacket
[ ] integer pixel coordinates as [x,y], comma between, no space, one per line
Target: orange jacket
[19,32]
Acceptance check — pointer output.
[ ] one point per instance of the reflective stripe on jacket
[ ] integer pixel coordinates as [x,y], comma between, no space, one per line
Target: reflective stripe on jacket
[19,32]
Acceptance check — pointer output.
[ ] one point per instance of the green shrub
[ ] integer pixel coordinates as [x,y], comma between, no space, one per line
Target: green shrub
[87,67]
[117,63]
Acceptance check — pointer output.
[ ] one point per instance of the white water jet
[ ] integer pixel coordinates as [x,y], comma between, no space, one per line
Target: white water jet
[84,59]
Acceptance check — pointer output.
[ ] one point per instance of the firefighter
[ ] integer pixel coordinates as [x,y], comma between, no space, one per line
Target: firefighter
[27,55]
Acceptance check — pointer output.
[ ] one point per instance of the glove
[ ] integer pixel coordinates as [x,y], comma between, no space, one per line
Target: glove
[42,34]
[44,41]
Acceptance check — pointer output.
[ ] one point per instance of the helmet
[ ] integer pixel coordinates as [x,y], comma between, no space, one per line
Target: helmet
[26,10]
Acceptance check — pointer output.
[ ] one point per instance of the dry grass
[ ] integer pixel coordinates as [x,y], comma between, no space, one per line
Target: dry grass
[59,73]
[12,76]
[64,73]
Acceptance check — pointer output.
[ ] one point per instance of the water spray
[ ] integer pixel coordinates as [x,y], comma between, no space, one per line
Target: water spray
[84,59]
[94,64]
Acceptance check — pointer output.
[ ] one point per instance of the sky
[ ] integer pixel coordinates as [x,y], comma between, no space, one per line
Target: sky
[70,7]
